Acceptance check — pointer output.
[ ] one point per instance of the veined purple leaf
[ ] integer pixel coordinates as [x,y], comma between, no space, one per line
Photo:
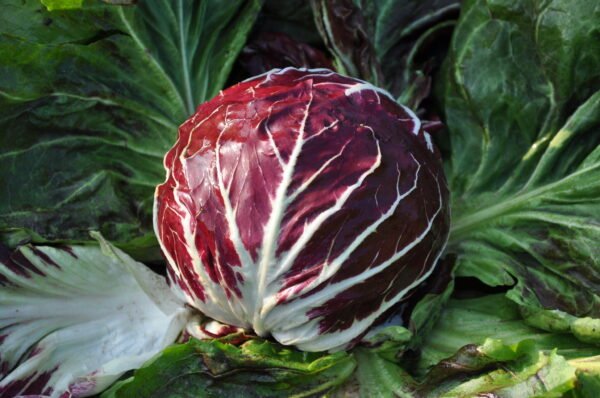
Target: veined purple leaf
[302,204]
[73,319]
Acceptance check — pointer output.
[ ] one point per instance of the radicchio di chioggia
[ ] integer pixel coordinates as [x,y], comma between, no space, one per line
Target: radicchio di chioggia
[301,204]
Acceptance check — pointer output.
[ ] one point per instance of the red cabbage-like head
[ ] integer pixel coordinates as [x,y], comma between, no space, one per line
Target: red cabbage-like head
[301,204]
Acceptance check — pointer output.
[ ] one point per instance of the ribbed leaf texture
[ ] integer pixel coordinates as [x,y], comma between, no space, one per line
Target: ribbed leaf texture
[302,204]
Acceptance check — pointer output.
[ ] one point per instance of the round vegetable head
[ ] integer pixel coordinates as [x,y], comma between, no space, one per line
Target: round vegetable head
[302,204]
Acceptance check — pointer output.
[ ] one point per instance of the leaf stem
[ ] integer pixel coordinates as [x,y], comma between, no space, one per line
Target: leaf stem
[463,226]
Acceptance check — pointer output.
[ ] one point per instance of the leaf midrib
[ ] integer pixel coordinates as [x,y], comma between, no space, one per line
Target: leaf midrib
[463,226]
[187,85]
[157,64]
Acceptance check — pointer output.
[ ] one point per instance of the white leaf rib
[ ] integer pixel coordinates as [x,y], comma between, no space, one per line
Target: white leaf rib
[232,175]
[236,307]
[359,86]
[358,327]
[214,294]
[304,77]
[346,283]
[375,196]
[416,121]
[338,340]
[334,267]
[212,290]
[189,242]
[270,134]
[320,297]
[173,262]
[314,176]
[307,336]
[428,141]
[278,71]
[235,235]
[269,243]
[333,242]
[324,129]
[197,263]
[323,216]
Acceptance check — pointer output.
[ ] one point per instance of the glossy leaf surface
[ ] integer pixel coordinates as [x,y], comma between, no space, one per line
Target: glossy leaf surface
[302,204]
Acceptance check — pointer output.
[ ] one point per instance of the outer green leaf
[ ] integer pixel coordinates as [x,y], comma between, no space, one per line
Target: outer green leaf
[472,359]
[343,29]
[588,377]
[62,4]
[292,17]
[585,329]
[523,361]
[380,377]
[388,341]
[523,108]
[481,347]
[472,321]
[425,314]
[194,42]
[256,368]
[549,376]
[90,100]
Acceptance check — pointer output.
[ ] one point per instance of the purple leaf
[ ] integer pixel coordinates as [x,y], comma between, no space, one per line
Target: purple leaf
[302,204]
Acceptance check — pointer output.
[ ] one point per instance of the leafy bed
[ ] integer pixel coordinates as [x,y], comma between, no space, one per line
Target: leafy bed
[90,99]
